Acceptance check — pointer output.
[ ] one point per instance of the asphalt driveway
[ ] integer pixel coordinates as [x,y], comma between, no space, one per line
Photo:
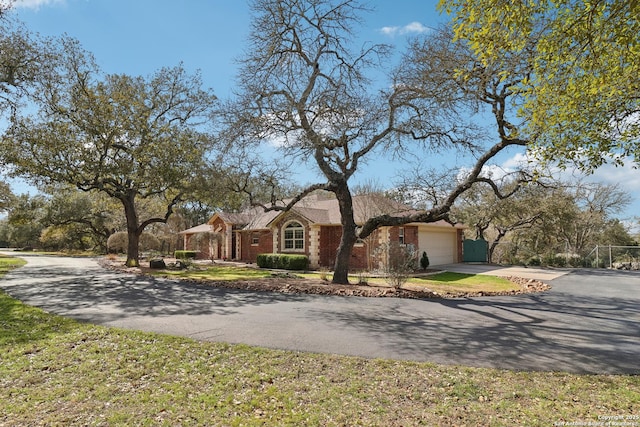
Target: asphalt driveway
[588,323]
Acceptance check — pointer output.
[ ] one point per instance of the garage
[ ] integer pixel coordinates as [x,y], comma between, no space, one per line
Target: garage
[441,241]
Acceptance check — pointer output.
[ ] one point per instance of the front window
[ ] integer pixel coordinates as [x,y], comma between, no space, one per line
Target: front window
[401,235]
[294,236]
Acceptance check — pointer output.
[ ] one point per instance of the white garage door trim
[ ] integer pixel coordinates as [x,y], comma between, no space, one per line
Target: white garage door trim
[440,245]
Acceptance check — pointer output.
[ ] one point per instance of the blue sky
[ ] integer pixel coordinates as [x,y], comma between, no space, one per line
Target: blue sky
[140,36]
[137,37]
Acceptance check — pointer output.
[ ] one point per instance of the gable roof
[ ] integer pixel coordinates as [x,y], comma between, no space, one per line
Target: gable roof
[235,218]
[370,205]
[320,208]
[202,228]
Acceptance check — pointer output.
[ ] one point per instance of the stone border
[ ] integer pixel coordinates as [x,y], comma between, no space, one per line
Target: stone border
[291,285]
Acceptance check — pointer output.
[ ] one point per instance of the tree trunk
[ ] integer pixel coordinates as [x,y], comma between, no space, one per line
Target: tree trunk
[133,234]
[494,245]
[348,239]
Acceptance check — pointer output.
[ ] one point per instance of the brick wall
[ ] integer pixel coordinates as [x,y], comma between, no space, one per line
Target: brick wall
[250,250]
[410,235]
[329,242]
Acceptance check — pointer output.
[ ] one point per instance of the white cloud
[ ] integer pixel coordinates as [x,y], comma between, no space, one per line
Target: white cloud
[411,28]
[36,4]
[518,161]
[414,27]
[389,31]
[626,177]
[279,141]
[504,170]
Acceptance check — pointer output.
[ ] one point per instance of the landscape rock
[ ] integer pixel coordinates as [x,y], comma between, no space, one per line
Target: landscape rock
[629,265]
[295,285]
[157,264]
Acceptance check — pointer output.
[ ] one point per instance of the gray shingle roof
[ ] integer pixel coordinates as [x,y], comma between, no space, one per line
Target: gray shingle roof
[202,228]
[321,208]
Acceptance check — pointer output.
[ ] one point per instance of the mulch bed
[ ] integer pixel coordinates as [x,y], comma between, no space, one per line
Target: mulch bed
[288,284]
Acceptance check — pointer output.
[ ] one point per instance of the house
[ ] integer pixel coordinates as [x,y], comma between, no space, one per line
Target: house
[312,227]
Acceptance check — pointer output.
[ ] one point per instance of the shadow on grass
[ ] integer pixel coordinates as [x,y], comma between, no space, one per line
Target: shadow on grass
[22,324]
[588,323]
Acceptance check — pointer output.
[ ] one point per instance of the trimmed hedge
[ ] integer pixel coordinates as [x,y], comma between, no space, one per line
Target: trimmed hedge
[283,261]
[185,254]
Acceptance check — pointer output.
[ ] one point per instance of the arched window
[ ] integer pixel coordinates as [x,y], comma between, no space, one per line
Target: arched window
[294,236]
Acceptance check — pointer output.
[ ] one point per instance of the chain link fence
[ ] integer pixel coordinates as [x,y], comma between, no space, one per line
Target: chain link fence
[616,257]
[602,256]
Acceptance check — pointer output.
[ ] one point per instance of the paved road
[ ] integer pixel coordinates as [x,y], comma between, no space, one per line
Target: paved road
[588,322]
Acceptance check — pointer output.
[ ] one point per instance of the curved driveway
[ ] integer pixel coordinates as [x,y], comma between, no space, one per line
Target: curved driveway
[588,322]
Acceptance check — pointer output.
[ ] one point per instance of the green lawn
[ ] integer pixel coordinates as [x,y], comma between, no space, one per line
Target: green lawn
[58,372]
[55,371]
[441,282]
[7,263]
[460,282]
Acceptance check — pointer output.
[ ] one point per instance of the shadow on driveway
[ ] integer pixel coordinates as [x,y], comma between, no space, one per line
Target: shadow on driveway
[541,332]
[86,291]
[588,323]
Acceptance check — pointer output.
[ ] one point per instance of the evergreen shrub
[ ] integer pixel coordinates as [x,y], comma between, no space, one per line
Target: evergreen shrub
[283,261]
[185,254]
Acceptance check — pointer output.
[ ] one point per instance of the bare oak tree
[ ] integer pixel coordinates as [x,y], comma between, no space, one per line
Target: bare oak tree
[303,84]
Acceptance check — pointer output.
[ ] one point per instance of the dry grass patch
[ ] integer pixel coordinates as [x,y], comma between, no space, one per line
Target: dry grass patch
[97,376]
[55,371]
